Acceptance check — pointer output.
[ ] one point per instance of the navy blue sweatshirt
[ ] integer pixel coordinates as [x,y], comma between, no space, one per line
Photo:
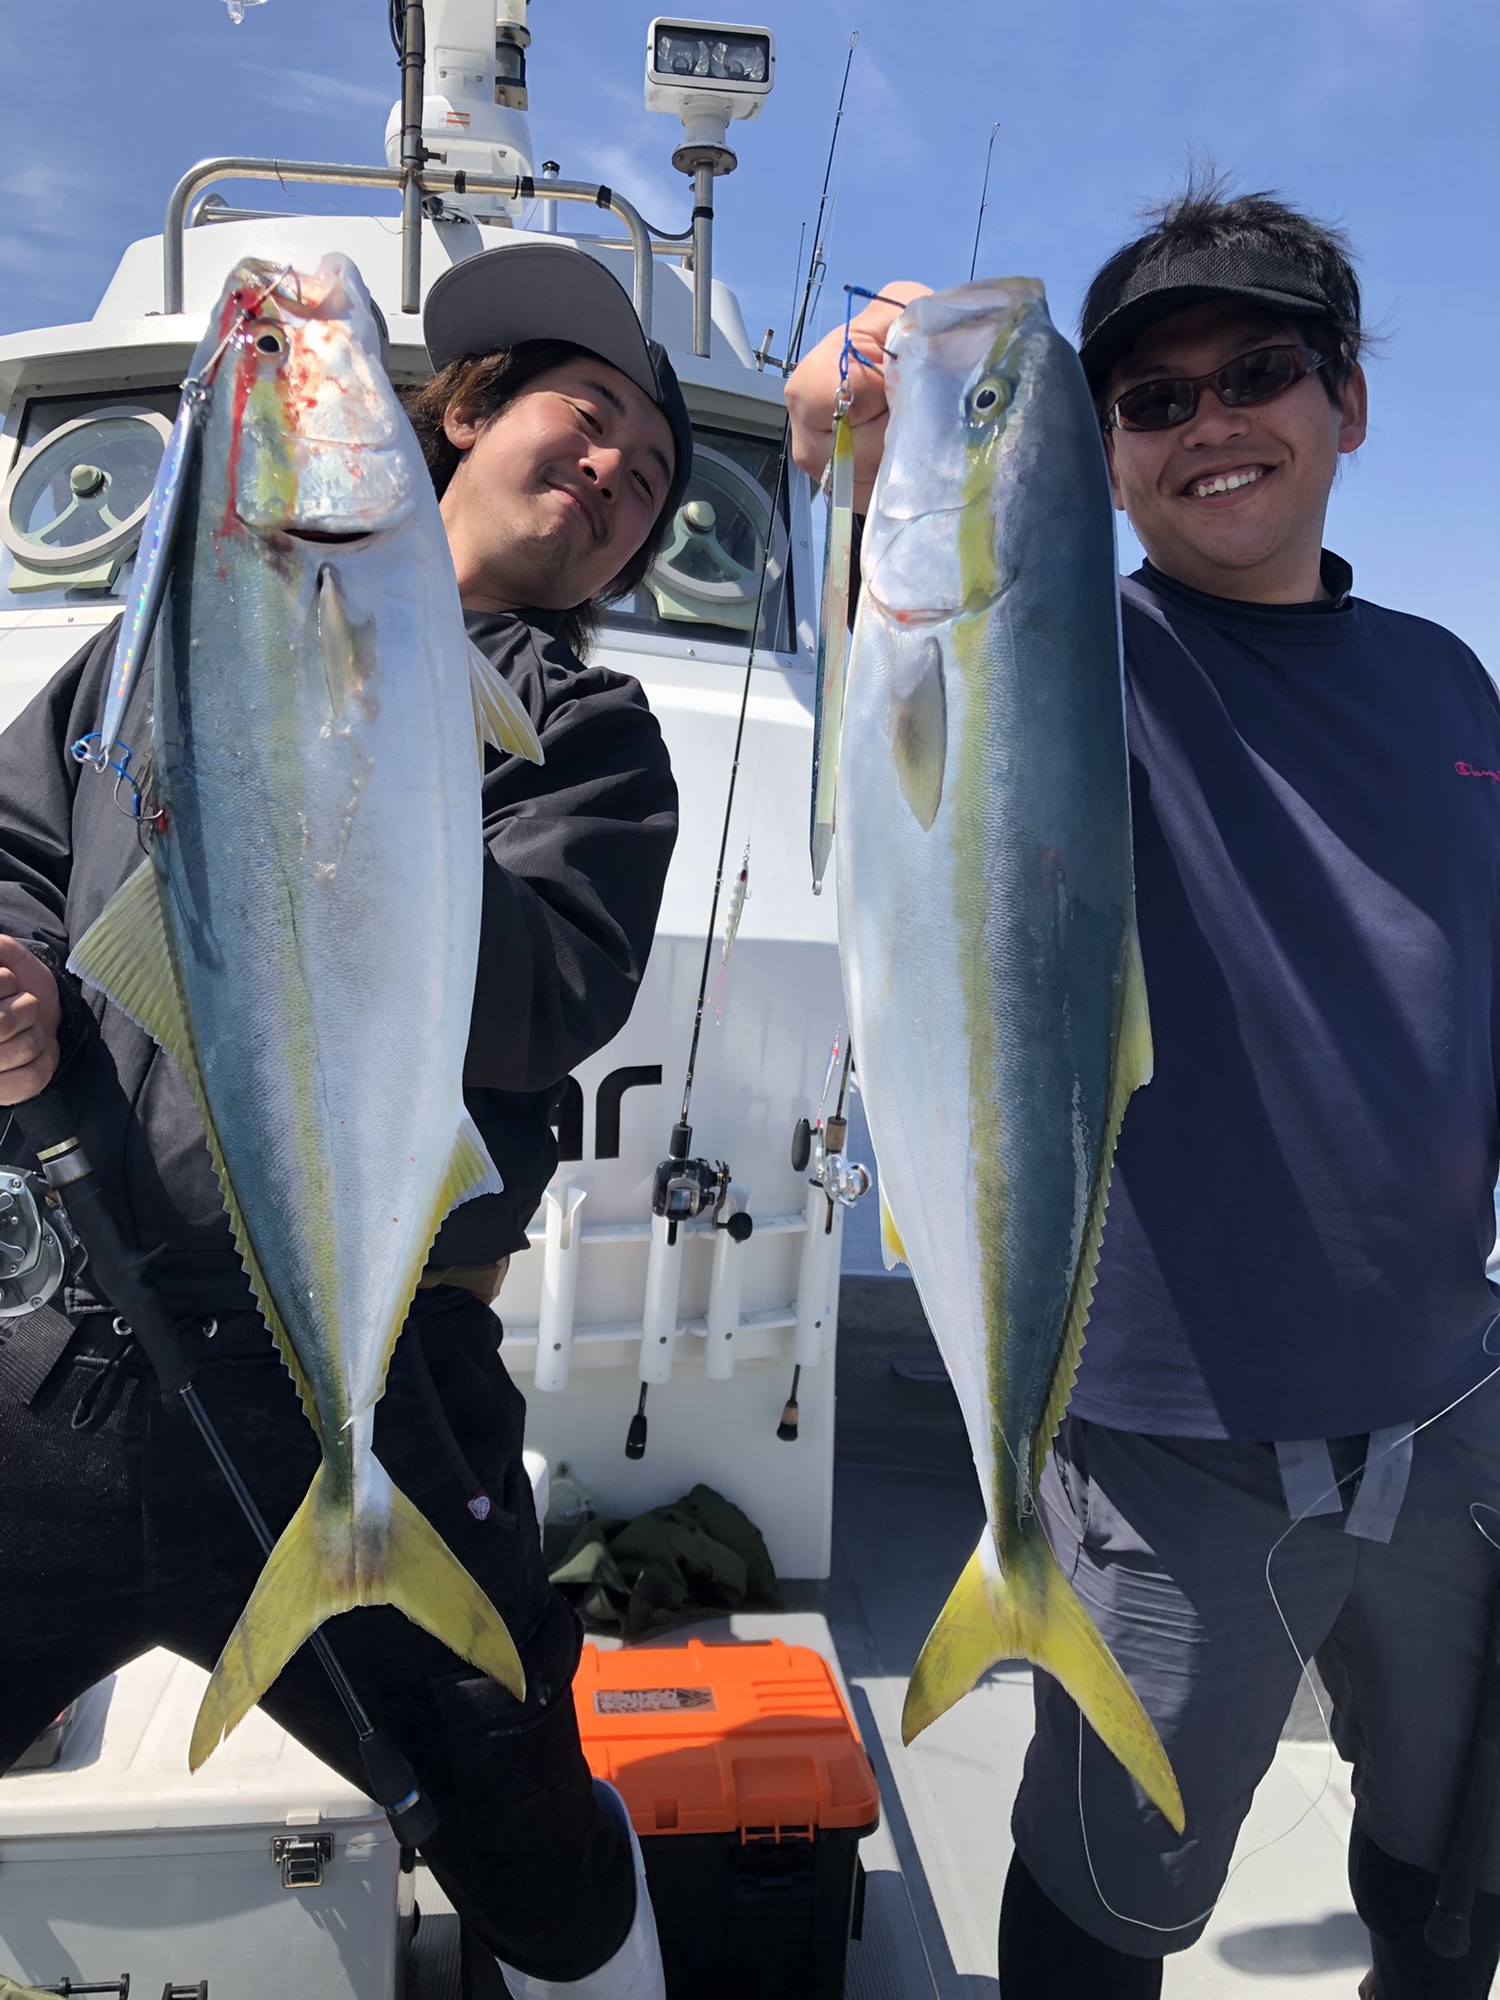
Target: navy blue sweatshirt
[1301,1204]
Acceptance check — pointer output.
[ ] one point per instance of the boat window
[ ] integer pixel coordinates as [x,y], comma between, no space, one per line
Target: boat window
[72,505]
[704,584]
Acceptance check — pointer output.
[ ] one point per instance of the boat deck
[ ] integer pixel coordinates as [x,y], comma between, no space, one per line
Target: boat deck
[907,1514]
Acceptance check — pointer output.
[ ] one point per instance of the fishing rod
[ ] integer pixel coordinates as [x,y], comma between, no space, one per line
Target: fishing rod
[683,1187]
[983,197]
[118,1277]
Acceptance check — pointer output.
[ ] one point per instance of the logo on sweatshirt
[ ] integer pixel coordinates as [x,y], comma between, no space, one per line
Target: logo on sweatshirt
[1473,771]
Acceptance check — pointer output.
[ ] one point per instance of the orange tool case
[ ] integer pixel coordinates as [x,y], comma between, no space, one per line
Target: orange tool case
[749,1788]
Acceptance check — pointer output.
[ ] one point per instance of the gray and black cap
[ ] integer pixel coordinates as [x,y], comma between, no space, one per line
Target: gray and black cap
[1181,275]
[550,291]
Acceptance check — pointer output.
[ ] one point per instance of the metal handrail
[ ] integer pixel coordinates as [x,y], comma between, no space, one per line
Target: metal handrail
[519,187]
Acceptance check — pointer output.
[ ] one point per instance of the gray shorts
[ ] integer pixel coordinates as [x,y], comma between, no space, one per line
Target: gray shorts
[1166,1541]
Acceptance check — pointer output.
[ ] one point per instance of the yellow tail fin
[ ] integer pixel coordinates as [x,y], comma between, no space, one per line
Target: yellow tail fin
[325,1564]
[1037,1615]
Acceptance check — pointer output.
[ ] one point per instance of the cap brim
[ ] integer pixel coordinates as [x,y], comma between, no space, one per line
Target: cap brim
[535,291]
[1114,337]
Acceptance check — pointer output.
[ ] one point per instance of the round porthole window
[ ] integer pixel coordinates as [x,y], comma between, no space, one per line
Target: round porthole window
[78,498]
[709,567]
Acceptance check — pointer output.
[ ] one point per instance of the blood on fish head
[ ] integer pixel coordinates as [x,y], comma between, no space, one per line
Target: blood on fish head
[955,376]
[315,443]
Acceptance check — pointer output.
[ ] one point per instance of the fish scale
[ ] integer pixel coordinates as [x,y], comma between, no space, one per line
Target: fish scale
[987,925]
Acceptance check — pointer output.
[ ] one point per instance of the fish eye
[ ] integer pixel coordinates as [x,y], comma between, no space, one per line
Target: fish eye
[990,397]
[266,337]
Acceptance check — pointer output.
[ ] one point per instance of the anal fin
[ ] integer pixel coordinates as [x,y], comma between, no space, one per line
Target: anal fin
[500,716]
[892,1249]
[471,1171]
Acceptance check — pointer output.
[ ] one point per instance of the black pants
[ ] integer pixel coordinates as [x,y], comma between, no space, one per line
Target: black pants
[117,1533]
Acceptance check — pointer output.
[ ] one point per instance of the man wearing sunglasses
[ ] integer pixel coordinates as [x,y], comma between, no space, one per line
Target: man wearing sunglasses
[1293,1279]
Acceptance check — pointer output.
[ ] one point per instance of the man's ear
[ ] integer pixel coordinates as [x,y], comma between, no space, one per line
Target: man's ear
[1354,411]
[459,428]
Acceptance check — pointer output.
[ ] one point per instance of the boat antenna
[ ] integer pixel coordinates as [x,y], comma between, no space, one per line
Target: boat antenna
[682,1187]
[983,197]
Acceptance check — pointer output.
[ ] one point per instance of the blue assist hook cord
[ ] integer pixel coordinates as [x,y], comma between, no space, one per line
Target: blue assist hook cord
[1314,1506]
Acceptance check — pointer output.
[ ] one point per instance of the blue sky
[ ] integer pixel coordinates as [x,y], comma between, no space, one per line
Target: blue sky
[1378,114]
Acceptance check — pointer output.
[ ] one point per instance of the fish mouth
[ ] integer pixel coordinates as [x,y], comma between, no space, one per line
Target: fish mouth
[331,537]
[909,615]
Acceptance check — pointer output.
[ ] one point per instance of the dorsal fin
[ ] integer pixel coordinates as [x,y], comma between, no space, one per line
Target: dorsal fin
[1133,1064]
[126,953]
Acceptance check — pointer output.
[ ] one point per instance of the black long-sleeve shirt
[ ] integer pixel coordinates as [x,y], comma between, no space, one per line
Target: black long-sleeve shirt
[576,854]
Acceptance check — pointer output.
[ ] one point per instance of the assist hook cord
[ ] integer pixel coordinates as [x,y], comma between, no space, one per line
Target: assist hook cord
[793,355]
[1314,1506]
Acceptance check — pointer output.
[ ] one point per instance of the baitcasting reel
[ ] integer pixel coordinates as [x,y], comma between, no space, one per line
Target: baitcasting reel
[819,1153]
[39,1251]
[683,1189]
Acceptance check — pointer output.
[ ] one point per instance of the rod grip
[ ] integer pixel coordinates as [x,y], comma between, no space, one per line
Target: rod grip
[114,1268]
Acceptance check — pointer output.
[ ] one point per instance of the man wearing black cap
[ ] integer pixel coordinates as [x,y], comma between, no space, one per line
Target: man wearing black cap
[561,446]
[1292,1281]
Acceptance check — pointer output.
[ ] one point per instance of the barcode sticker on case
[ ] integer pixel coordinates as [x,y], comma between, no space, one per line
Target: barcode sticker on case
[651,1701]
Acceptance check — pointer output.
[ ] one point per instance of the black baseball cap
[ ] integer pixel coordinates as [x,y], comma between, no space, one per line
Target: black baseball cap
[550,291]
[1183,276]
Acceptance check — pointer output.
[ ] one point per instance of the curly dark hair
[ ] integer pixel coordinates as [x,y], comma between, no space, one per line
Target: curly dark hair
[1205,215]
[481,385]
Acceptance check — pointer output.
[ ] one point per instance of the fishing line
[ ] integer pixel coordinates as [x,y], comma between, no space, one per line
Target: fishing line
[819,252]
[793,354]
[1397,1444]
[983,197]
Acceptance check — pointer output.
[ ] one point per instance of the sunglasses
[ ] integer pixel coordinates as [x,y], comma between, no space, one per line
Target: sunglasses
[1253,378]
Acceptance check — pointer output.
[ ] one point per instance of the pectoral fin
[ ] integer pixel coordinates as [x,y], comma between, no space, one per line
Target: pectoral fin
[348,651]
[500,715]
[919,731]
[126,954]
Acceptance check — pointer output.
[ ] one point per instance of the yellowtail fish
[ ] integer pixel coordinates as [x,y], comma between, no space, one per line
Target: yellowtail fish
[833,640]
[987,922]
[318,780]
